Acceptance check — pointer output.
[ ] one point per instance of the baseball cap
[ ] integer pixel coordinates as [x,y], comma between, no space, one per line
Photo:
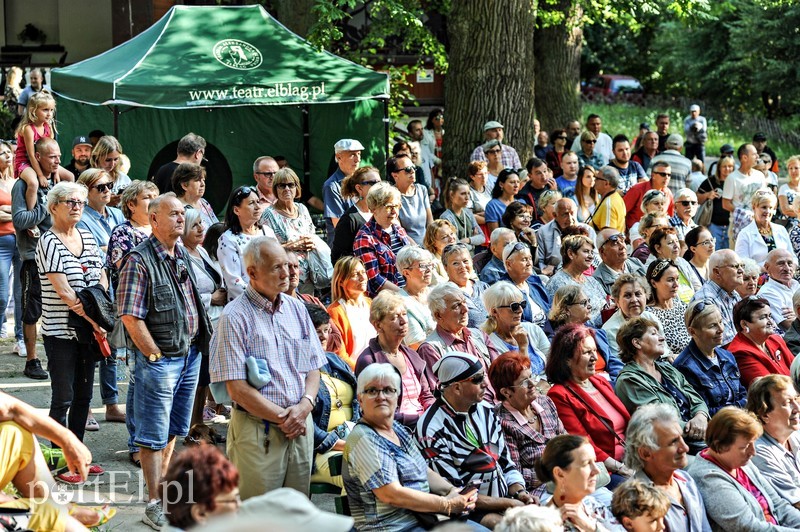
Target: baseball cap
[492,124]
[674,142]
[694,107]
[759,137]
[81,140]
[489,144]
[644,125]
[347,145]
[727,149]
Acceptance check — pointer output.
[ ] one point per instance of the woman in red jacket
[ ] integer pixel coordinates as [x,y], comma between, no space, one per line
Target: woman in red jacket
[585,401]
[756,347]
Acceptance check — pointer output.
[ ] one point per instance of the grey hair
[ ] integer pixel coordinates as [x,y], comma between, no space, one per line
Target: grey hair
[380,194]
[611,175]
[190,143]
[531,518]
[796,299]
[191,216]
[63,190]
[500,293]
[377,372]
[498,233]
[641,431]
[411,254]
[750,266]
[257,250]
[437,296]
[686,193]
[155,203]
[650,196]
[131,194]
[258,161]
[718,257]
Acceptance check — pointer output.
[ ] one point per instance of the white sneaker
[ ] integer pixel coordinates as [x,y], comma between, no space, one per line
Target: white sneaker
[19,348]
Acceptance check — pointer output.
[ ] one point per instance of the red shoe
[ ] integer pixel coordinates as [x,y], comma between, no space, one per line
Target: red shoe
[95,470]
[69,478]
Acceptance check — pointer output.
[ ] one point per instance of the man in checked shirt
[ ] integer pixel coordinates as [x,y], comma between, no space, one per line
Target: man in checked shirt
[271,435]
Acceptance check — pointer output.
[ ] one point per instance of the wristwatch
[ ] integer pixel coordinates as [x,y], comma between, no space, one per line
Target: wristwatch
[518,493]
[154,357]
[311,399]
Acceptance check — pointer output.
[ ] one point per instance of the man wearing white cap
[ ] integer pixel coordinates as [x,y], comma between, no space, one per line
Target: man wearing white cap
[348,155]
[493,130]
[696,130]
[461,439]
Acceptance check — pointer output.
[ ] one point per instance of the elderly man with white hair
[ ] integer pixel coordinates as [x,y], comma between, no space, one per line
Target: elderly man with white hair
[494,270]
[613,250]
[611,211]
[685,209]
[549,236]
[726,273]
[781,286]
[656,451]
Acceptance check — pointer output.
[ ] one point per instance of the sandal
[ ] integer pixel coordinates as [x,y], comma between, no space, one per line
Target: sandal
[54,457]
[92,425]
[134,461]
[100,514]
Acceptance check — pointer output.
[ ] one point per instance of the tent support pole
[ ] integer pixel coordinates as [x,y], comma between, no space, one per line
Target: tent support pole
[306,150]
[116,122]
[386,125]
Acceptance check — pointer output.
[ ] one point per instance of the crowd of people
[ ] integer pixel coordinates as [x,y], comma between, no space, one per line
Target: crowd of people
[599,340]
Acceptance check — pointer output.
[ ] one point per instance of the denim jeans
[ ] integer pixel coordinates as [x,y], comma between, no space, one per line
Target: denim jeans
[71,368]
[720,234]
[108,380]
[130,420]
[9,255]
[164,396]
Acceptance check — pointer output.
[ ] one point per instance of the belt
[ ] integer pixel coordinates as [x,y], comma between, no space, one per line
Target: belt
[238,407]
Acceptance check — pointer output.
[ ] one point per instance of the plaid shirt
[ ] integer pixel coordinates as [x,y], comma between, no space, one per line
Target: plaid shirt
[282,335]
[508,157]
[373,246]
[134,280]
[525,444]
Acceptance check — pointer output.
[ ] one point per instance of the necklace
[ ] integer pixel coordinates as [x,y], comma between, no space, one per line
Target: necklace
[765,232]
[338,402]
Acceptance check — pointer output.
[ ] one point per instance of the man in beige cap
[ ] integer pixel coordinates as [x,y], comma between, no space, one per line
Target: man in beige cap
[493,130]
[348,156]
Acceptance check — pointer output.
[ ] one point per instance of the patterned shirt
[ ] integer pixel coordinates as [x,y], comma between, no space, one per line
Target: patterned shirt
[134,279]
[525,443]
[467,448]
[281,334]
[374,246]
[372,461]
[123,239]
[725,303]
[682,227]
[508,157]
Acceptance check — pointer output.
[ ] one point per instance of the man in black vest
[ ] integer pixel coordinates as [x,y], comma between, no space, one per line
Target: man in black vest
[161,309]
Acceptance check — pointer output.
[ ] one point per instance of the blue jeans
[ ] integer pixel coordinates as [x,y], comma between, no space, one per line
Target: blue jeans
[164,397]
[9,255]
[108,380]
[720,234]
[130,408]
[71,368]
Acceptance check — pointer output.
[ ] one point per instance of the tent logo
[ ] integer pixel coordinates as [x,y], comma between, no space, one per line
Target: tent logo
[237,54]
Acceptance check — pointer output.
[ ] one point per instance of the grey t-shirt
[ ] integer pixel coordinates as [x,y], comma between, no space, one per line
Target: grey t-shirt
[24,219]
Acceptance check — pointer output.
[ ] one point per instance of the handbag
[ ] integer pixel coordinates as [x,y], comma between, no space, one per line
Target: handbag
[704,212]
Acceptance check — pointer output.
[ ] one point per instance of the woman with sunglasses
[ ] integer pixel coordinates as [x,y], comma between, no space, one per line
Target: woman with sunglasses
[294,229]
[588,156]
[415,212]
[242,224]
[355,187]
[189,184]
[570,305]
[664,303]
[577,256]
[503,193]
[585,401]
[757,348]
[707,366]
[107,156]
[761,236]
[518,262]
[528,418]
[508,332]
[553,157]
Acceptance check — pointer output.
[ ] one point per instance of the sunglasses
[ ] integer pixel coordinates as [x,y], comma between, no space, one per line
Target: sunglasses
[698,308]
[619,237]
[589,141]
[408,169]
[266,174]
[494,150]
[559,138]
[687,203]
[181,270]
[242,193]
[286,185]
[369,183]
[476,379]
[519,246]
[663,174]
[103,187]
[516,307]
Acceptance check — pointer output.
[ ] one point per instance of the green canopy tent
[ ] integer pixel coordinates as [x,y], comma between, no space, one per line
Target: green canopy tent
[235,76]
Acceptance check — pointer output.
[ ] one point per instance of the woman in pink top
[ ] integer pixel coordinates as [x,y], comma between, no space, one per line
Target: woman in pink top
[8,250]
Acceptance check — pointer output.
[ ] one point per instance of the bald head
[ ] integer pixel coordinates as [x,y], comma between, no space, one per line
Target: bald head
[48,155]
[780,266]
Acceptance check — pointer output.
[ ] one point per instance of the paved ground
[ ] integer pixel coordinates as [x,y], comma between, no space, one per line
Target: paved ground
[122,483]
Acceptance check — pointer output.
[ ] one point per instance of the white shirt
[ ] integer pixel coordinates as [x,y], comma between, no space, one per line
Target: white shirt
[779,296]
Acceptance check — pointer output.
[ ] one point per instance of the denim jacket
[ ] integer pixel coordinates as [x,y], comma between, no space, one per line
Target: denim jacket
[338,369]
[714,383]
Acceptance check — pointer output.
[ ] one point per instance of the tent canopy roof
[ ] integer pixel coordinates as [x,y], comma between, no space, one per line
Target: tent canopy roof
[198,56]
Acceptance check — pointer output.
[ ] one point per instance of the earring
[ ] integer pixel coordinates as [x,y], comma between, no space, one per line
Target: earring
[747,329]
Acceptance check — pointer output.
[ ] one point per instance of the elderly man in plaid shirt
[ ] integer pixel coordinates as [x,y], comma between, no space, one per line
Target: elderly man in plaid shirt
[271,435]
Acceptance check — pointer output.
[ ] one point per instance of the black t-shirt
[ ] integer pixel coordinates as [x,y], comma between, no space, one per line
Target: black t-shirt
[163,177]
[77,173]
[719,216]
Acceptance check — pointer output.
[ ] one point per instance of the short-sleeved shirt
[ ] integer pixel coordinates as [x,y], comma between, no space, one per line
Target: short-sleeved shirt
[335,204]
[83,270]
[739,188]
[123,239]
[101,226]
[566,187]
[281,334]
[629,175]
[414,212]
[371,462]
[495,210]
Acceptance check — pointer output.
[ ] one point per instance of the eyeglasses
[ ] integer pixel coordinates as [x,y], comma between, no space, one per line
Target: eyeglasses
[74,204]
[709,242]
[369,183]
[664,174]
[598,178]
[387,392]
[584,303]
[408,169]
[181,270]
[523,217]
[519,246]
[425,267]
[392,207]
[529,383]
[103,187]
[286,185]
[270,175]
[698,308]
[687,203]
[559,138]
[739,266]
[516,307]
[476,379]
[614,239]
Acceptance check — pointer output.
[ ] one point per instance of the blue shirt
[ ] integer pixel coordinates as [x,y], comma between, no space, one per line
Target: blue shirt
[717,383]
[335,204]
[100,226]
[495,210]
[566,187]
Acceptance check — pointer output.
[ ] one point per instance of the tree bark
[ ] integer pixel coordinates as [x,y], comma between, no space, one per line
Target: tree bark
[490,77]
[558,66]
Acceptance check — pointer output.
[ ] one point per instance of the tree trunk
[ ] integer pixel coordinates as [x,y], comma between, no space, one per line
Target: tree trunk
[490,77]
[295,15]
[558,66]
